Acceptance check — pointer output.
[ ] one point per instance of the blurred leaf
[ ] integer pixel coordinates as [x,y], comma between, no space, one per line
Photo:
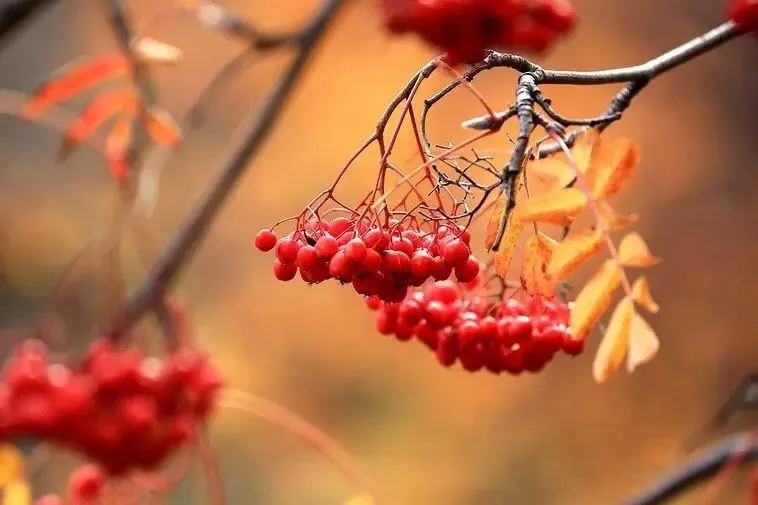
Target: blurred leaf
[551,172]
[117,147]
[613,348]
[74,79]
[11,464]
[583,149]
[594,299]
[643,343]
[559,207]
[504,254]
[641,295]
[612,166]
[162,129]
[610,219]
[573,251]
[17,492]
[104,106]
[493,224]
[360,499]
[633,252]
[534,276]
[154,51]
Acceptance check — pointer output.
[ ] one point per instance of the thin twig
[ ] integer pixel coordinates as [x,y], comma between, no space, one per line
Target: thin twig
[698,470]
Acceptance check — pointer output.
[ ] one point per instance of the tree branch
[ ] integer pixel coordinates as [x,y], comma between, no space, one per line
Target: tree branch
[184,243]
[13,14]
[742,446]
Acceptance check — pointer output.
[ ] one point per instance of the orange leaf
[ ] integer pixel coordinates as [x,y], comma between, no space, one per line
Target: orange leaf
[162,129]
[504,254]
[610,219]
[613,348]
[573,251]
[612,166]
[74,79]
[583,148]
[360,499]
[559,206]
[117,146]
[633,252]
[534,276]
[94,114]
[643,343]
[641,295]
[594,299]
[493,224]
[552,172]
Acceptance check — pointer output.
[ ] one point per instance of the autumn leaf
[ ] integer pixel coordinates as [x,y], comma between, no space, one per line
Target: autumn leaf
[104,106]
[117,146]
[594,298]
[612,166]
[613,348]
[360,499]
[583,149]
[641,295]
[504,254]
[559,207]
[74,79]
[493,225]
[643,343]
[534,277]
[573,251]
[610,219]
[17,492]
[633,252]
[551,172]
[162,129]
[11,464]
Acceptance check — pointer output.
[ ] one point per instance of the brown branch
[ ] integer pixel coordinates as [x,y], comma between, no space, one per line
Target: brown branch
[185,242]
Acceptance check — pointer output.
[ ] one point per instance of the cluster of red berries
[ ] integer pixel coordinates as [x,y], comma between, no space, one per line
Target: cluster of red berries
[744,12]
[503,336]
[379,261]
[122,410]
[464,29]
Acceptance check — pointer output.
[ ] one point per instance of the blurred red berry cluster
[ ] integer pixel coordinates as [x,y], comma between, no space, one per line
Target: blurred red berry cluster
[122,410]
[465,29]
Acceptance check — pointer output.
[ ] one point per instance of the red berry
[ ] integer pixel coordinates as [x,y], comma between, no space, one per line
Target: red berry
[744,12]
[326,247]
[307,257]
[468,332]
[338,226]
[410,312]
[572,346]
[286,250]
[444,291]
[355,251]
[284,271]
[373,303]
[447,347]
[86,484]
[455,252]
[265,240]
[422,264]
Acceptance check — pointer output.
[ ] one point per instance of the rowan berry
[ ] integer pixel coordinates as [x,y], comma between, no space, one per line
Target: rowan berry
[265,240]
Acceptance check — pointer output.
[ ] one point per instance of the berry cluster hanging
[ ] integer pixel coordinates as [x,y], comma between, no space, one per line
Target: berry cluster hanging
[122,410]
[465,29]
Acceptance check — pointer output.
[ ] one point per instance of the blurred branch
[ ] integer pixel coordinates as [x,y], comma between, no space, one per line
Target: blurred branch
[13,14]
[741,448]
[185,242]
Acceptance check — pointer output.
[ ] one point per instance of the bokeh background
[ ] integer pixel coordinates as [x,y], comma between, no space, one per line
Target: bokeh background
[423,433]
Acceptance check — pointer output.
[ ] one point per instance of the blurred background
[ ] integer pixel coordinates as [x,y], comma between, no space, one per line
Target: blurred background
[423,433]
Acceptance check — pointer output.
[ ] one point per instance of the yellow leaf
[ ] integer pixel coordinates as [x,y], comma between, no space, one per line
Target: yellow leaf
[613,348]
[551,172]
[594,299]
[583,149]
[504,254]
[162,129]
[612,166]
[360,499]
[534,276]
[17,492]
[559,207]
[610,219]
[643,343]
[493,224]
[633,252]
[573,251]
[641,295]
[11,464]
